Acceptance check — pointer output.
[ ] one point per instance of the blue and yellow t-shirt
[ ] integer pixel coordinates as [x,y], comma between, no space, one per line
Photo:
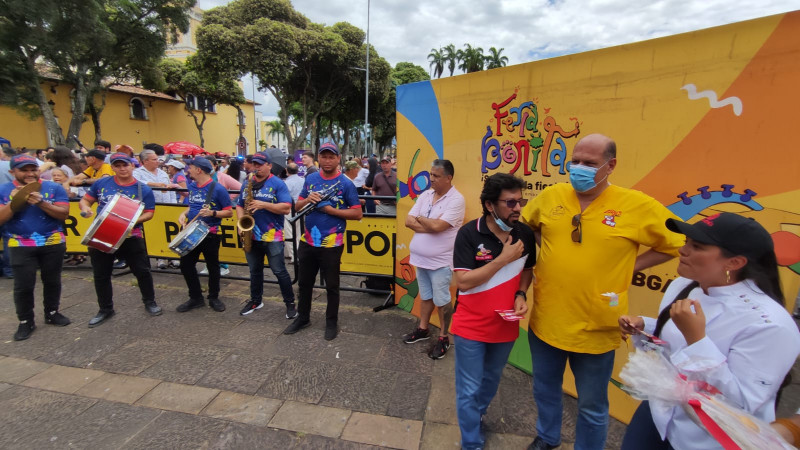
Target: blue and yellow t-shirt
[324,230]
[32,227]
[268,225]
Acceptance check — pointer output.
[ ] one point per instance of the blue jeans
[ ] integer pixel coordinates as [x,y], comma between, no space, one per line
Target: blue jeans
[479,366]
[255,260]
[592,375]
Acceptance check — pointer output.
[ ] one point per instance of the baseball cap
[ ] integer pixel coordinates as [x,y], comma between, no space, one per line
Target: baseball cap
[261,158]
[329,147]
[386,159]
[116,157]
[202,163]
[18,161]
[175,163]
[738,234]
[99,154]
[349,165]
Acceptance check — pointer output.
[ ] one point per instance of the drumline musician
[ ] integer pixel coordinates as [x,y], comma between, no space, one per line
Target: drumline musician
[208,202]
[35,235]
[133,250]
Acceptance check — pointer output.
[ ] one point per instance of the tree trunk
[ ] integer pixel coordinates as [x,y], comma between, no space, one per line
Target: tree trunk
[55,136]
[95,113]
[81,94]
[199,124]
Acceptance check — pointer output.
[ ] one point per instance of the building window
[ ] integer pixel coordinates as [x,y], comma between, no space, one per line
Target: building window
[200,103]
[138,110]
[191,102]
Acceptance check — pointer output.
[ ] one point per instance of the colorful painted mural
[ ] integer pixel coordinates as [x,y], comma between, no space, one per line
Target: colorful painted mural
[703,123]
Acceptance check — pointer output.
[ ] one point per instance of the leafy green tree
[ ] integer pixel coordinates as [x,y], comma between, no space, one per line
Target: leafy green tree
[276,127]
[437,59]
[471,58]
[384,124]
[406,72]
[451,56]
[298,61]
[83,43]
[494,59]
[200,89]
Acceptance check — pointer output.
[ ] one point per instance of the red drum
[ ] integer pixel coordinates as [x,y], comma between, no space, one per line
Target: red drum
[114,224]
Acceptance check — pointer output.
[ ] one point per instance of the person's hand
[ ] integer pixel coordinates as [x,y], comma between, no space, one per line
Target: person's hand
[76,182]
[520,305]
[205,212]
[511,252]
[86,212]
[182,220]
[314,197]
[629,325]
[688,316]
[255,205]
[34,198]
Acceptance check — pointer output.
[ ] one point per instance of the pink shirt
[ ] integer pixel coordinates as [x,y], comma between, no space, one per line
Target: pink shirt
[435,250]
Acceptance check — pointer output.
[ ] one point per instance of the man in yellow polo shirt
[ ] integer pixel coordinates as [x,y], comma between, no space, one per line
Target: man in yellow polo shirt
[589,232]
[97,169]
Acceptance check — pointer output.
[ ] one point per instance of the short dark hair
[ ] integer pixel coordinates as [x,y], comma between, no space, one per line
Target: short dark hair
[309,153]
[103,143]
[9,151]
[495,185]
[610,152]
[159,149]
[248,158]
[445,165]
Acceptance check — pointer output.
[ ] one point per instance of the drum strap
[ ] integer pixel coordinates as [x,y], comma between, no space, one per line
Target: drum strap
[210,194]
[139,188]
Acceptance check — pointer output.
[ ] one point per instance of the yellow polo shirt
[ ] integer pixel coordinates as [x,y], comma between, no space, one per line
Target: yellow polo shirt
[93,174]
[569,311]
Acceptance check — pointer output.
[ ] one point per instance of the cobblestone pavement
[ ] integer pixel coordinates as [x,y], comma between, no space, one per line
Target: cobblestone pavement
[203,379]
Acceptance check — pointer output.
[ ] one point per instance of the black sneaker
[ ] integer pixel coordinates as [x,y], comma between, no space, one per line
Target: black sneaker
[417,335]
[152,308]
[216,304]
[296,326]
[330,332]
[540,444]
[56,318]
[440,348]
[251,306]
[190,305]
[291,311]
[25,329]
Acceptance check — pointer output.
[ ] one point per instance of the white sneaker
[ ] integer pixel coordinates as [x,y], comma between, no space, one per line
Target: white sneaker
[204,271]
[223,271]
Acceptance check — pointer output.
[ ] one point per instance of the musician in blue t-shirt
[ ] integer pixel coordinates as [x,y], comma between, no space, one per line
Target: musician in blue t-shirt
[267,199]
[209,203]
[321,243]
[35,236]
[133,249]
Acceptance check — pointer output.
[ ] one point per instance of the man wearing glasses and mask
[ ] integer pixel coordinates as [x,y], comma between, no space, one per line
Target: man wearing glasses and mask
[589,233]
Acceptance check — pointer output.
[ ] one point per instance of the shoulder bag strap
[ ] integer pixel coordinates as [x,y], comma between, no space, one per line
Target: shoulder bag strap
[663,316]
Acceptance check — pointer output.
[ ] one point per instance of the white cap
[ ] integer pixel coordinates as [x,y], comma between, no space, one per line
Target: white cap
[175,163]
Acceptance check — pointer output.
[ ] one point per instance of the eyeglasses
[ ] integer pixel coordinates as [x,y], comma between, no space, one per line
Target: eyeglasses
[512,203]
[577,233]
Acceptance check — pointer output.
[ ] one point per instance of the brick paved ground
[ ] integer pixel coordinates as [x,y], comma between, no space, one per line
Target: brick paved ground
[218,380]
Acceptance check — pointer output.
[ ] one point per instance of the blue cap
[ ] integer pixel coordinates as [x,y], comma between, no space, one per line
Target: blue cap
[116,157]
[22,161]
[329,147]
[261,158]
[202,163]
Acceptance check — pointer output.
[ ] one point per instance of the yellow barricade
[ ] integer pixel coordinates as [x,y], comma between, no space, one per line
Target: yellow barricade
[368,242]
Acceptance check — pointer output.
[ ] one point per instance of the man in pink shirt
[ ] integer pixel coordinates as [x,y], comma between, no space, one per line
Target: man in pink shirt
[435,218]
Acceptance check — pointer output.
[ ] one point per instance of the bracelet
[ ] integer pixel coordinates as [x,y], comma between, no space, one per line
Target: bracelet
[792,427]
[522,294]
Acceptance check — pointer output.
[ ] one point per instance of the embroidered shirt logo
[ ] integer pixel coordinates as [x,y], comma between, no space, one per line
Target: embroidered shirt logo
[609,217]
[483,254]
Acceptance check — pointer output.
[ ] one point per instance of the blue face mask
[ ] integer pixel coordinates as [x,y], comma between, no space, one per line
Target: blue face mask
[501,223]
[582,177]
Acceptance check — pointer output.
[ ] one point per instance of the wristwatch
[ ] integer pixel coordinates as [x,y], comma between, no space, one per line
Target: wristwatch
[214,213]
[522,294]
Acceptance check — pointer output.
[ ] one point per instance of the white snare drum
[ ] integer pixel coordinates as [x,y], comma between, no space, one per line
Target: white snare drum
[189,238]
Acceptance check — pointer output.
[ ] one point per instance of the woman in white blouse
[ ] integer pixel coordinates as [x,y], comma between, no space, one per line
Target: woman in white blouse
[724,323]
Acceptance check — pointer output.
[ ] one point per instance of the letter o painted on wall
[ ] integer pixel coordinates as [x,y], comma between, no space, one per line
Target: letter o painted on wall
[384,242]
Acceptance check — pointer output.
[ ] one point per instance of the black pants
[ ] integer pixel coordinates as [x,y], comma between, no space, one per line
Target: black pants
[642,432]
[312,260]
[133,251]
[209,247]
[49,259]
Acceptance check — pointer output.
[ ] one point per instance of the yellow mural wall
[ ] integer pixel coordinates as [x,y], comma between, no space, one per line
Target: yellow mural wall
[700,120]
[167,121]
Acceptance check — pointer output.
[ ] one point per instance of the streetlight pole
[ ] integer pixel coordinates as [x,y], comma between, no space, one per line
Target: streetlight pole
[255,124]
[366,94]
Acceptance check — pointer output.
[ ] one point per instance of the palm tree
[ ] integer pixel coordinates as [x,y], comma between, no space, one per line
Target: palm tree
[494,60]
[451,55]
[472,59]
[437,62]
[276,127]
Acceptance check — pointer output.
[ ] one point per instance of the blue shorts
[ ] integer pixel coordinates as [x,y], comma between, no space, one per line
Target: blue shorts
[435,284]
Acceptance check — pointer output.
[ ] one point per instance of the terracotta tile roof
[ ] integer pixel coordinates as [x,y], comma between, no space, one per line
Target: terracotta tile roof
[134,90]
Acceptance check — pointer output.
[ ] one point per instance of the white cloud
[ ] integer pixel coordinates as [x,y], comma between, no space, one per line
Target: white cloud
[527,29]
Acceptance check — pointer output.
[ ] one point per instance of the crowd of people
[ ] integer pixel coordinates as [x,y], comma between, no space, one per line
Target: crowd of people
[723,321]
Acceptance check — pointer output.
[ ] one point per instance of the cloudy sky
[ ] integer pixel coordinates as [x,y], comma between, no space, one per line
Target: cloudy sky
[527,30]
